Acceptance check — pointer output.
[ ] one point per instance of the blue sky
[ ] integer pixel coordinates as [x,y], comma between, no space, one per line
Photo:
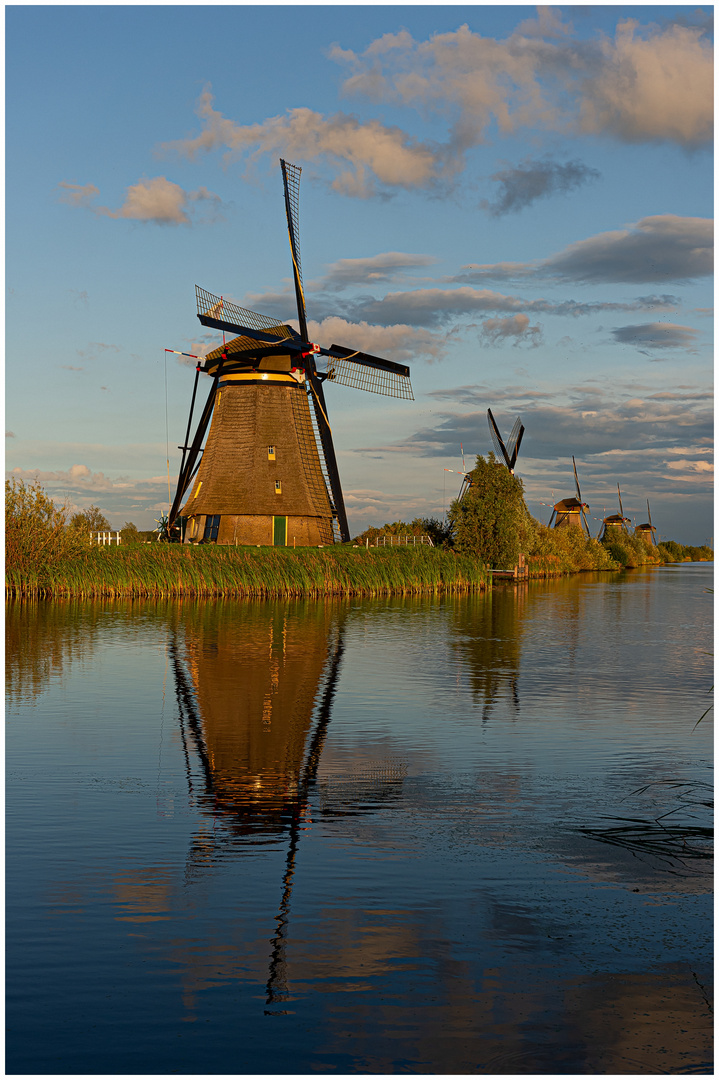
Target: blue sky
[515,201]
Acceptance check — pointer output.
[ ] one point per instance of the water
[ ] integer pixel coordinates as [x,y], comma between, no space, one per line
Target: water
[441,835]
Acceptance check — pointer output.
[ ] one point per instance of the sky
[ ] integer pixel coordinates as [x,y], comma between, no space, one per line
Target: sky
[515,201]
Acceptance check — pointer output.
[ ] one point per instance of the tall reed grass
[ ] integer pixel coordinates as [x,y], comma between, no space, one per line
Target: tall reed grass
[169,570]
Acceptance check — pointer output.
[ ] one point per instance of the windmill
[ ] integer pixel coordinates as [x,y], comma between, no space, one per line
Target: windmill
[466,477]
[570,511]
[511,450]
[268,473]
[647,530]
[615,523]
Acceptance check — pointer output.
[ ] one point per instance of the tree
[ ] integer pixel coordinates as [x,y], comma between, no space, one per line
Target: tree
[441,532]
[90,520]
[492,520]
[129,533]
[36,533]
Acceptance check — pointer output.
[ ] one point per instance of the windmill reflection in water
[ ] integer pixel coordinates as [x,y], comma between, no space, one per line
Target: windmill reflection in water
[255,701]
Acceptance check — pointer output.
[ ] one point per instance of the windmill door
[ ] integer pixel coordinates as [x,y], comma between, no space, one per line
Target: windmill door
[279,531]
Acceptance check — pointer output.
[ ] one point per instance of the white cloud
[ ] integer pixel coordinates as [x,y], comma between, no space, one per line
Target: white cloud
[684,465]
[645,84]
[361,155]
[656,86]
[80,478]
[157,200]
[495,331]
[400,343]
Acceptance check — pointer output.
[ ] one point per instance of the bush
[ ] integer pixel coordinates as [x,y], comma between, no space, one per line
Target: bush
[492,520]
[670,551]
[440,532]
[631,551]
[90,520]
[36,533]
[129,533]
[567,550]
[673,549]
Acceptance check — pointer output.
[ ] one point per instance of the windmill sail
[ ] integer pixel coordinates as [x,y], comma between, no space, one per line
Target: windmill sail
[509,452]
[220,314]
[514,441]
[291,179]
[576,479]
[365,372]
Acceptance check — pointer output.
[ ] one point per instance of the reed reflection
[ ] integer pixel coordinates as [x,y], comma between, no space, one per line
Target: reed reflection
[40,637]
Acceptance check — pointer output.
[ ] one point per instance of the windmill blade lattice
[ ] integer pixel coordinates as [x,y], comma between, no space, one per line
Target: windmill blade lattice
[497,438]
[365,377]
[514,435]
[576,478]
[291,178]
[217,309]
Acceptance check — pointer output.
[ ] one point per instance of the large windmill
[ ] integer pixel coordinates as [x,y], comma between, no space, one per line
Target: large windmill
[268,473]
[509,452]
[647,531]
[615,523]
[571,511]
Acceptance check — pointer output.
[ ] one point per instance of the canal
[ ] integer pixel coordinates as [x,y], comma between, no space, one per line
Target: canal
[443,835]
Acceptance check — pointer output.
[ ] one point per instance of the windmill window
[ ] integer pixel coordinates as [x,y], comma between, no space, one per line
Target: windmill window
[212,525]
[278,487]
[271,453]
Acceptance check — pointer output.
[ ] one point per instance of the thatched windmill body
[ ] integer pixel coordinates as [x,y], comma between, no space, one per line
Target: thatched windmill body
[568,512]
[615,524]
[646,531]
[268,473]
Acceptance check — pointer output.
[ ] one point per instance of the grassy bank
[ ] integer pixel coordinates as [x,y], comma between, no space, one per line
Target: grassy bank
[169,570]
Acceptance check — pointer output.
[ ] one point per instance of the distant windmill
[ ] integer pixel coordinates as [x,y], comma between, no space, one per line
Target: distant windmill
[647,530]
[511,450]
[466,477]
[615,523]
[570,511]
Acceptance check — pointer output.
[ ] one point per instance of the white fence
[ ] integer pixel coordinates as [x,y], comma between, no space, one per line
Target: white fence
[388,540]
[104,538]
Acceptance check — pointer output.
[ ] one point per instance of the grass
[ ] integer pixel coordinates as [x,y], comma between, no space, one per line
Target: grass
[674,842]
[170,570]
